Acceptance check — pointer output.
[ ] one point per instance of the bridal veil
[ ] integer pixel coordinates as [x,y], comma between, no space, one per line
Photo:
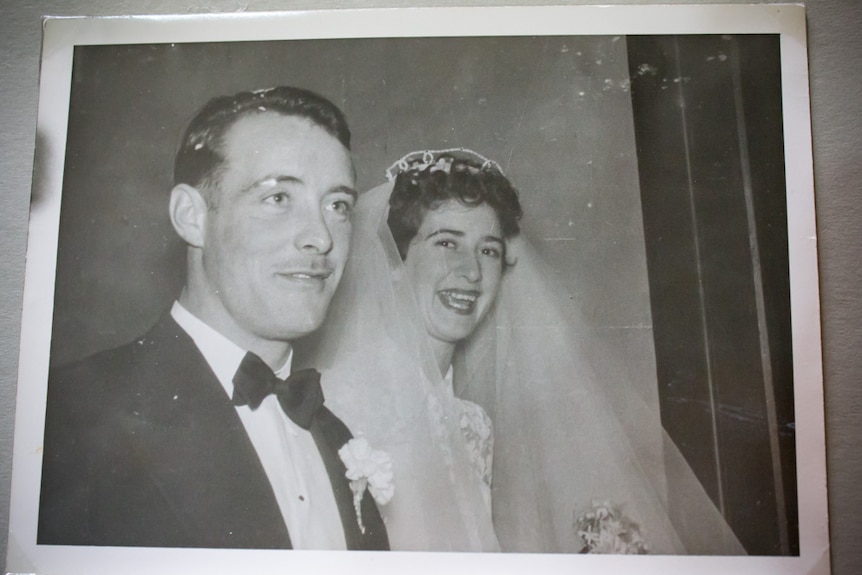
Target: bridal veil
[562,443]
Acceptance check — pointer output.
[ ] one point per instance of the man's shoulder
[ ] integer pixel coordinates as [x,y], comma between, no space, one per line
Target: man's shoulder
[103,363]
[136,354]
[125,369]
[120,426]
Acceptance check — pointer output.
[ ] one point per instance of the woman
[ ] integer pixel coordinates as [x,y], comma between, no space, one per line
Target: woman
[383,372]
[451,219]
[442,281]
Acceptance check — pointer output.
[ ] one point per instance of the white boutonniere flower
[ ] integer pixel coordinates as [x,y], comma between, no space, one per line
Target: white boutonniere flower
[367,468]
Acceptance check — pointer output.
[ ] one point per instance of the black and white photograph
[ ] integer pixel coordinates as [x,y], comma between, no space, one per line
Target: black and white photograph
[487,289]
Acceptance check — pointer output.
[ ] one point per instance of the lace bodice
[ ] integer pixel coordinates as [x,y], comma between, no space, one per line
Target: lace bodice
[479,435]
[478,432]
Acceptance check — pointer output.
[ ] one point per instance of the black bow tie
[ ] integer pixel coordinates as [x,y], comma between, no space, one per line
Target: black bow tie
[300,394]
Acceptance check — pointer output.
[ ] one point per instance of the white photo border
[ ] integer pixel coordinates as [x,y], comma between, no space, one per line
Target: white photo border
[63,34]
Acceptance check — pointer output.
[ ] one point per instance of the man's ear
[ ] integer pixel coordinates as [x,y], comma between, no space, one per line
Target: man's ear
[188,210]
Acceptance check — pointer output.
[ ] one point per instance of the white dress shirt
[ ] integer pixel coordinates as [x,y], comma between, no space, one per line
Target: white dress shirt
[288,453]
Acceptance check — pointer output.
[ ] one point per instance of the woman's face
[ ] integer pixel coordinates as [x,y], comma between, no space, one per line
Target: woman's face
[455,264]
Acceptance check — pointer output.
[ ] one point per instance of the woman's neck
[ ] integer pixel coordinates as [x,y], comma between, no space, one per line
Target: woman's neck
[443,352]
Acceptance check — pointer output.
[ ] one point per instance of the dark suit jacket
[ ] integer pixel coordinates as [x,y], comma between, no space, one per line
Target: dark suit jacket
[144,448]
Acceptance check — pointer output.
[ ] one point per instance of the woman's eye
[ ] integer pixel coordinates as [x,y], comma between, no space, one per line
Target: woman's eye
[491,252]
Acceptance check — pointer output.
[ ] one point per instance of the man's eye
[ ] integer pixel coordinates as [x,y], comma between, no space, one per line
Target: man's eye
[278,199]
[343,207]
[445,243]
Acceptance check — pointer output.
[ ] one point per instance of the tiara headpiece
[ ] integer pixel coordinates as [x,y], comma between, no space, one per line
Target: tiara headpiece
[438,160]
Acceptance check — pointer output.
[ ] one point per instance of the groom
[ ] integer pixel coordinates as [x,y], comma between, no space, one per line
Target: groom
[185,437]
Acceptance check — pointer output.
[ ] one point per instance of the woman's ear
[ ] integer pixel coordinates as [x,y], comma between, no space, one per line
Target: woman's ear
[188,211]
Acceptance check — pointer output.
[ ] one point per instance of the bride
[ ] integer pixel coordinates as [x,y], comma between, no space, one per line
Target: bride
[450,347]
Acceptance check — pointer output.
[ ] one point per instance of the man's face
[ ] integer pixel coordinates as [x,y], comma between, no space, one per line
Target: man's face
[277,231]
[455,264]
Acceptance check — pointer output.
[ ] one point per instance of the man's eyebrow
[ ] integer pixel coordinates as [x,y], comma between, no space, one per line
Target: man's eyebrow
[272,181]
[284,179]
[345,190]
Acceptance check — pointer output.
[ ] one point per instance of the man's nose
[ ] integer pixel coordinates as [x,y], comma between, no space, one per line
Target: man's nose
[314,234]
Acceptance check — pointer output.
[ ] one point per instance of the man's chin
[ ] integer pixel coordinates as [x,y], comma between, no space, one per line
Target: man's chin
[297,325]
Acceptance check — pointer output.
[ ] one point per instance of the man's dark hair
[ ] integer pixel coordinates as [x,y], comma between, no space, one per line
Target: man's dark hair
[418,191]
[200,155]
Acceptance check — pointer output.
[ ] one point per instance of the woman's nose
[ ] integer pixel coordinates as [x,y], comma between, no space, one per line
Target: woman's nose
[469,268]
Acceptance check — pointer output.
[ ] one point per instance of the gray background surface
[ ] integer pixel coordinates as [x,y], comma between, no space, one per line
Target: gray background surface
[836,97]
[556,113]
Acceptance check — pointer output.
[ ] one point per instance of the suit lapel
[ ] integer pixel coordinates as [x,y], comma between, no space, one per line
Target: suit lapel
[197,450]
[190,438]
[330,434]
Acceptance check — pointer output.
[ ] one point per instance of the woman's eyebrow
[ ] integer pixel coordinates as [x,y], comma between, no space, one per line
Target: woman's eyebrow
[457,233]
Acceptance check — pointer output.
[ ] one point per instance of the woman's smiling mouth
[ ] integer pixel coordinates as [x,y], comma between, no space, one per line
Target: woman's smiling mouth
[460,301]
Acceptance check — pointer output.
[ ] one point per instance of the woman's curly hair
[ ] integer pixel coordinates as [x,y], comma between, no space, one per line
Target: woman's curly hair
[418,191]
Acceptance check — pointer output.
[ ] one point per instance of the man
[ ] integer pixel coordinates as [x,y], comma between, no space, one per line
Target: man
[175,438]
